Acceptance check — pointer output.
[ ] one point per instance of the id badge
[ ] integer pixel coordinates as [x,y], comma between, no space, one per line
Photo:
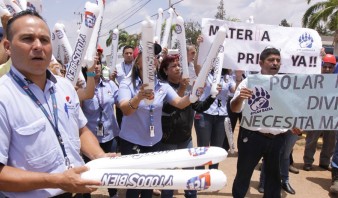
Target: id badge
[99,129]
[152,131]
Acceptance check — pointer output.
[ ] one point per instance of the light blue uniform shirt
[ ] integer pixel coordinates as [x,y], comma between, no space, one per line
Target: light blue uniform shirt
[135,127]
[103,101]
[219,105]
[123,70]
[28,140]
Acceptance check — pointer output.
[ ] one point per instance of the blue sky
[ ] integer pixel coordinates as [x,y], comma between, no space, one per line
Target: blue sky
[264,11]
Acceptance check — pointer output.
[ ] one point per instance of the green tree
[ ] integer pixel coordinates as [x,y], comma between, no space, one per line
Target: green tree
[124,39]
[323,13]
[285,23]
[323,31]
[220,11]
[192,31]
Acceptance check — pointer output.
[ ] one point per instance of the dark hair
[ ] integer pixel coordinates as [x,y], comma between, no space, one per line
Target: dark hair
[225,71]
[164,66]
[135,73]
[127,47]
[267,52]
[17,16]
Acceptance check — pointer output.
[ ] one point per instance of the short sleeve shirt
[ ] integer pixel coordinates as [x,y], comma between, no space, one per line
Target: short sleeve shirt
[136,127]
[101,109]
[28,140]
[274,131]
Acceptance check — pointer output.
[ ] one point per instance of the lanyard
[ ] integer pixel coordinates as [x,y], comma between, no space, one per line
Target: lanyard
[100,101]
[151,115]
[55,112]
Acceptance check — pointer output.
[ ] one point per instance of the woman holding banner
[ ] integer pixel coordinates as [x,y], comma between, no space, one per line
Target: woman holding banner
[141,129]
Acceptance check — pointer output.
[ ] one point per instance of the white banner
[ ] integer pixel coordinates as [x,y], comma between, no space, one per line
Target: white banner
[308,102]
[300,47]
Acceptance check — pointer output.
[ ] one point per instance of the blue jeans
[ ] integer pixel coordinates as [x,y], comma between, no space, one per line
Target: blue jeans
[167,147]
[335,154]
[210,132]
[251,148]
[290,142]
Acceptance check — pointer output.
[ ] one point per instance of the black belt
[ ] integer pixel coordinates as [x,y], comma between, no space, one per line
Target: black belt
[268,135]
[64,195]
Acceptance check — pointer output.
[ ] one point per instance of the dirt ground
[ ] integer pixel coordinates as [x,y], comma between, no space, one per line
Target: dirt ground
[309,184]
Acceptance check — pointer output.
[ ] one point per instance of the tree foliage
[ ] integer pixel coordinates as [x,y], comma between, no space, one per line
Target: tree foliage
[222,15]
[220,11]
[285,23]
[124,39]
[192,31]
[325,13]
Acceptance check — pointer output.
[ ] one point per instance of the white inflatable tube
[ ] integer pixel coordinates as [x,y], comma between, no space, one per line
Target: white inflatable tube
[92,45]
[208,180]
[180,158]
[167,29]
[22,4]
[3,9]
[230,135]
[114,48]
[148,55]
[64,49]
[158,28]
[218,65]
[88,23]
[12,6]
[35,5]
[200,80]
[182,46]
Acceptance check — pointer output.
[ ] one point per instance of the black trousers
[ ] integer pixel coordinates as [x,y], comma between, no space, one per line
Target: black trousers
[252,147]
[128,148]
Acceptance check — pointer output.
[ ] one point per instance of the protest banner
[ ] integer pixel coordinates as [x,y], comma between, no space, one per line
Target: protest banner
[300,47]
[308,102]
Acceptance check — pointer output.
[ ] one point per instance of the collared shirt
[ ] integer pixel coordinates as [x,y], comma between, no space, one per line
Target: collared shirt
[4,68]
[218,107]
[135,127]
[103,101]
[274,131]
[28,140]
[123,70]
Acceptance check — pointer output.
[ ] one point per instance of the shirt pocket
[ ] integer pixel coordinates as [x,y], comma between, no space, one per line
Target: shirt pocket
[38,147]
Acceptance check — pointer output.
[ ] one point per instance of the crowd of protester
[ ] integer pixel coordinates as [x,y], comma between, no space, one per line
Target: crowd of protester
[110,115]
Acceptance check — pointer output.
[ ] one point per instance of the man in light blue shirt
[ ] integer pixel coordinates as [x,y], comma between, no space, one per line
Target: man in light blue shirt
[123,69]
[42,128]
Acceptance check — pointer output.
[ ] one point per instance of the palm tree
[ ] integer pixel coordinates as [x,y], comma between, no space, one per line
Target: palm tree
[124,39]
[323,12]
